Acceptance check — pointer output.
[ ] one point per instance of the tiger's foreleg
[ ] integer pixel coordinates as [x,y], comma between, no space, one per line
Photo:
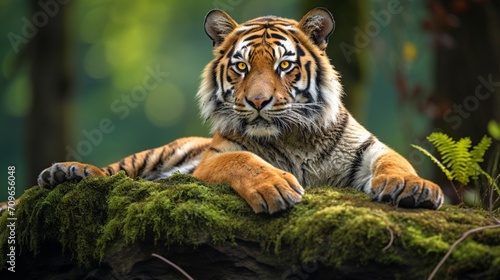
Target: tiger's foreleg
[180,155]
[264,187]
[395,180]
[69,171]
[73,171]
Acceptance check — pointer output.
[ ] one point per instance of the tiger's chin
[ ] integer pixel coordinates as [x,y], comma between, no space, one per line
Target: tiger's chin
[262,131]
[258,129]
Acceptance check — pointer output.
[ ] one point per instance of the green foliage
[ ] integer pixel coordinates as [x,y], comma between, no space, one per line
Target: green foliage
[459,161]
[494,129]
[436,161]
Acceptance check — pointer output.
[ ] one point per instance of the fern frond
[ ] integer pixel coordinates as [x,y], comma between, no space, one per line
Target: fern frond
[441,140]
[445,146]
[458,161]
[477,153]
[455,155]
[476,156]
[461,166]
[435,160]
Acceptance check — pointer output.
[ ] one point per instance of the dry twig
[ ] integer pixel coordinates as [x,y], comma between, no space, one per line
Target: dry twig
[174,266]
[389,229]
[452,247]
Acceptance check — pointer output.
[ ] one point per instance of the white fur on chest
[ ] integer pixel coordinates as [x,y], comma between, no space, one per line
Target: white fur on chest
[314,161]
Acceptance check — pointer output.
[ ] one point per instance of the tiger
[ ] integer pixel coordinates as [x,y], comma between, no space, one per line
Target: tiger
[278,124]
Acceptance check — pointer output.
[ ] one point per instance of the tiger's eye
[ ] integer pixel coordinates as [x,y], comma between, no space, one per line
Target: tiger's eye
[284,65]
[242,66]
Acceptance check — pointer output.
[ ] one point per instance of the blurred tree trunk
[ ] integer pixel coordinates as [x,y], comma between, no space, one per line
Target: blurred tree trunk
[47,130]
[465,34]
[467,70]
[354,68]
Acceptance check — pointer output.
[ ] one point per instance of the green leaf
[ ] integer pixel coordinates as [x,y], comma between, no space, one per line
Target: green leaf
[494,129]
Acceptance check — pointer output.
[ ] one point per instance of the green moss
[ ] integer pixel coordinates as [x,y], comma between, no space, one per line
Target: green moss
[495,263]
[333,226]
[425,244]
[335,234]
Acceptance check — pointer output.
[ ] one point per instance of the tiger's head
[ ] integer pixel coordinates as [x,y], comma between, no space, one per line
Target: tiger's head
[269,75]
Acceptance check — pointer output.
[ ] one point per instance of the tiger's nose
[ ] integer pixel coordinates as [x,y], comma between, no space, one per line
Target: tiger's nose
[259,102]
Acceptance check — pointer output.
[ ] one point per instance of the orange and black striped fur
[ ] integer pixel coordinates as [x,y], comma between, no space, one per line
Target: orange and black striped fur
[278,123]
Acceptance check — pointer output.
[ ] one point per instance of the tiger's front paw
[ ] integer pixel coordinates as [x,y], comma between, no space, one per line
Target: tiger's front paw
[66,171]
[271,191]
[407,191]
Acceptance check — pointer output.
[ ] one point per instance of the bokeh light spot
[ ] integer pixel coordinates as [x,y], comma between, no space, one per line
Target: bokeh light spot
[410,51]
[18,97]
[94,63]
[165,105]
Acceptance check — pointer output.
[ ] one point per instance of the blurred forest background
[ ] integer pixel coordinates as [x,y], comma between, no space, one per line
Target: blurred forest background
[73,73]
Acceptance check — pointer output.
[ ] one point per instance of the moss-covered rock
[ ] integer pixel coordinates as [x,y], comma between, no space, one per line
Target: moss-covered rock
[108,227]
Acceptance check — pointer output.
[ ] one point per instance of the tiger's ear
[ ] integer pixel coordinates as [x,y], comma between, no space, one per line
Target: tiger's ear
[218,25]
[318,24]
